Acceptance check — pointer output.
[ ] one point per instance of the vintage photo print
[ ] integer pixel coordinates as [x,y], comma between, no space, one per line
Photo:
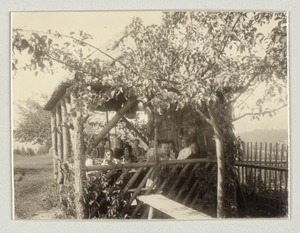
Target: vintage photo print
[142,115]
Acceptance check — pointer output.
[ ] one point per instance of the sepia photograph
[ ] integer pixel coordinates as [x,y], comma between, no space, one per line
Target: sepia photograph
[150,115]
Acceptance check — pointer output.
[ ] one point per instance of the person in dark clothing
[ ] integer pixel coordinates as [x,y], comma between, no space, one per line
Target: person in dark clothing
[195,152]
[173,152]
[118,151]
[128,157]
[101,148]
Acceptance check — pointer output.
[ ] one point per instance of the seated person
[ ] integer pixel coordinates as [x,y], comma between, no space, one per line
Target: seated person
[128,157]
[162,152]
[186,151]
[138,151]
[101,148]
[118,151]
[194,151]
[150,149]
[109,159]
[173,151]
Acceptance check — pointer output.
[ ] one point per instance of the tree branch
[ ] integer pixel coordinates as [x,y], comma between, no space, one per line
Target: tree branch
[77,40]
[258,113]
[222,49]
[203,115]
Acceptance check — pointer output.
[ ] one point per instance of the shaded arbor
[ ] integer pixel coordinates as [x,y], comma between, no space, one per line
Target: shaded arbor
[209,61]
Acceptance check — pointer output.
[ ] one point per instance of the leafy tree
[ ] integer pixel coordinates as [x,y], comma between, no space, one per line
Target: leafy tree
[210,61]
[33,123]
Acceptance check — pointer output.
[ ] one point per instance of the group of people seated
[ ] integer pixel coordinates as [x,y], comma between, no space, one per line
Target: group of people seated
[166,151]
[122,153]
[126,153]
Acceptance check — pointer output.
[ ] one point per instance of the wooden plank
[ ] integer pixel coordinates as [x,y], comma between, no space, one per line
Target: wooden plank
[172,208]
[260,170]
[270,174]
[265,175]
[275,178]
[280,176]
[255,171]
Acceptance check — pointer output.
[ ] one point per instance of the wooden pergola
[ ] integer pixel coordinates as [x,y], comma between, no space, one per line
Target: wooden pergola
[68,143]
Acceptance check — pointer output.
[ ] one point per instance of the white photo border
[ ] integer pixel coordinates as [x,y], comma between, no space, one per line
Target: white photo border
[227,225]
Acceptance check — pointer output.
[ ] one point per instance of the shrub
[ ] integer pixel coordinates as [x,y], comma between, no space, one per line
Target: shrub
[30,151]
[17,151]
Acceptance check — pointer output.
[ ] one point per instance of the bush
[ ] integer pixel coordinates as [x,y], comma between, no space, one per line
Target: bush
[30,151]
[43,150]
[17,151]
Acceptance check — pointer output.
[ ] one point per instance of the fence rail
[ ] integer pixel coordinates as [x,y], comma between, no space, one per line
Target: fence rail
[263,173]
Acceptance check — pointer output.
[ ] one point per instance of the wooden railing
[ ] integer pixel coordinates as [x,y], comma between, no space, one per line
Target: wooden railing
[175,178]
[263,173]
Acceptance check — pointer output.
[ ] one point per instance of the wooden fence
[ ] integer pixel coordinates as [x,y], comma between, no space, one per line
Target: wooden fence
[263,174]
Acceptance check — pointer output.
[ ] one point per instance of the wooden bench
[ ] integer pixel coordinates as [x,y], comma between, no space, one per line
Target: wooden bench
[171,208]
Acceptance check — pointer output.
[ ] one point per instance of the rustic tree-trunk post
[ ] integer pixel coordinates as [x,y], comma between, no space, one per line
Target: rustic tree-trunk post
[54,143]
[155,151]
[221,166]
[59,144]
[66,138]
[65,131]
[79,161]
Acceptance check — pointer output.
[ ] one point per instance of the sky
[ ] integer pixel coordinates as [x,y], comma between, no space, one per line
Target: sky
[104,27]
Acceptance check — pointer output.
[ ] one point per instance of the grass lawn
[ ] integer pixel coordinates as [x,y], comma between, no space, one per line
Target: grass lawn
[34,189]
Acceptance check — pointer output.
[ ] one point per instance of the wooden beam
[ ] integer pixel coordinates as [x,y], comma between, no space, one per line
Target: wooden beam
[79,162]
[112,123]
[54,142]
[147,164]
[131,126]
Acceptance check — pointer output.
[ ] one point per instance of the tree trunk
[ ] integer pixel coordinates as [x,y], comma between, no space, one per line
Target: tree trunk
[79,162]
[219,139]
[221,177]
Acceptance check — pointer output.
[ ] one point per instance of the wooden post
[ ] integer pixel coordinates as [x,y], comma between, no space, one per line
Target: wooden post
[155,151]
[65,131]
[107,120]
[54,143]
[112,123]
[59,143]
[79,162]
